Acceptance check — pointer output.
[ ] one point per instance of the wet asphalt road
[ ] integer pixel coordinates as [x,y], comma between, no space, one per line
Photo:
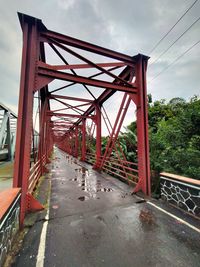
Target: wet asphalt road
[94,221]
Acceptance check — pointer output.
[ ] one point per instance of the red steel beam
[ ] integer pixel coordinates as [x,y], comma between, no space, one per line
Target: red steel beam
[76,142]
[45,72]
[92,76]
[107,93]
[142,128]
[59,130]
[61,109]
[60,123]
[25,111]
[78,110]
[98,137]
[109,73]
[50,113]
[86,46]
[52,96]
[116,128]
[60,127]
[83,149]
[80,66]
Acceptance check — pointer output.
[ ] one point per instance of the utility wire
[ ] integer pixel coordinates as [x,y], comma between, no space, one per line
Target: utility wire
[174,61]
[175,41]
[157,44]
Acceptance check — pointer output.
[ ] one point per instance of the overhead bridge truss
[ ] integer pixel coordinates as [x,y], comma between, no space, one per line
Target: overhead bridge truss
[67,119]
[8,124]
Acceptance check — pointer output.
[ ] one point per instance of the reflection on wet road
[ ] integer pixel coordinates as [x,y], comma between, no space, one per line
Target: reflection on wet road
[108,226]
[95,221]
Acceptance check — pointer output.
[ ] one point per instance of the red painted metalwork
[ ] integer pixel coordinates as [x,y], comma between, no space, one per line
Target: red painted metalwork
[98,137]
[63,118]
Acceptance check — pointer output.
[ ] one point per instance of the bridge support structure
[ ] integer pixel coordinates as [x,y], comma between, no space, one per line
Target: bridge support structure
[69,121]
[8,120]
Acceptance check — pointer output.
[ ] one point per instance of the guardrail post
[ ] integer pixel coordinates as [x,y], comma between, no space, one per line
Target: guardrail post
[98,137]
[83,154]
[76,141]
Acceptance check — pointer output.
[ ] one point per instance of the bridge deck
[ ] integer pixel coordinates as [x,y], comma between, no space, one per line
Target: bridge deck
[94,221]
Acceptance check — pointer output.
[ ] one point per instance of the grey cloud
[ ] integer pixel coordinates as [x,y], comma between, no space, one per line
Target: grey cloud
[129,26]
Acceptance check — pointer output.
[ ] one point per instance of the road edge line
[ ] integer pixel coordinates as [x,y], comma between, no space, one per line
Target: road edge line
[42,243]
[175,217]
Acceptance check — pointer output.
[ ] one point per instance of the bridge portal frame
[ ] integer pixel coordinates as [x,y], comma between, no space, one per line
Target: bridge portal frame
[37,74]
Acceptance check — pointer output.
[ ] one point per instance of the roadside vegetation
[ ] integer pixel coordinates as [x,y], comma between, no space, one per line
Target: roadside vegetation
[174,137]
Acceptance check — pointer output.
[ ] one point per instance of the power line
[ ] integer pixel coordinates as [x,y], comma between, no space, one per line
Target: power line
[176,40]
[169,65]
[157,44]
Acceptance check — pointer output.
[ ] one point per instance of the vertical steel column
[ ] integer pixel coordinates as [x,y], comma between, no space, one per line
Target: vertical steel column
[3,129]
[8,140]
[71,141]
[47,139]
[76,141]
[98,137]
[142,127]
[25,112]
[42,133]
[115,130]
[13,146]
[83,150]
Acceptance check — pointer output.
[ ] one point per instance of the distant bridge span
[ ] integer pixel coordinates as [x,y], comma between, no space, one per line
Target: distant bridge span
[8,123]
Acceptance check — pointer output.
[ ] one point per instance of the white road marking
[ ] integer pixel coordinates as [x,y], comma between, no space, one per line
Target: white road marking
[42,244]
[175,217]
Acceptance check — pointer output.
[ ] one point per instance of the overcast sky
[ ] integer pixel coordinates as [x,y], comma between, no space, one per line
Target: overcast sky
[128,26]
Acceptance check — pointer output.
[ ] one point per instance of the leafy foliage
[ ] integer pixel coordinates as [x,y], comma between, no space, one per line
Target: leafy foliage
[175,136]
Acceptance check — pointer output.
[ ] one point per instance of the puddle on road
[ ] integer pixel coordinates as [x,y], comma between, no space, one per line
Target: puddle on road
[97,189]
[89,183]
[140,201]
[83,198]
[74,179]
[83,171]
[69,159]
[147,217]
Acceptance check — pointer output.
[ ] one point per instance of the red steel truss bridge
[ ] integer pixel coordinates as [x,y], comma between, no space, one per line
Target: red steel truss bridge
[65,85]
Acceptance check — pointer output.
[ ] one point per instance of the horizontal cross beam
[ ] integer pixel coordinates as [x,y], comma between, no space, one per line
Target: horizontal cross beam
[45,72]
[50,113]
[79,66]
[52,96]
[85,46]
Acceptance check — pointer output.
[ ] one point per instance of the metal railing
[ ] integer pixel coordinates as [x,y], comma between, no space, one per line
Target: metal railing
[121,169]
[35,173]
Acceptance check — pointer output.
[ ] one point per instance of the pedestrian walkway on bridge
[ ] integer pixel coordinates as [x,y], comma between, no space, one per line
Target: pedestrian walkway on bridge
[93,220]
